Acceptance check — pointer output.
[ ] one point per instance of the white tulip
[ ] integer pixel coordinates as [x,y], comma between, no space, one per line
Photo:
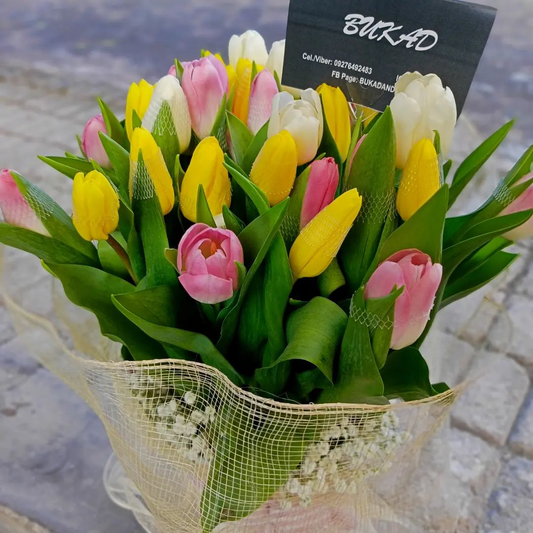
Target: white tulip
[250,45]
[302,119]
[276,58]
[168,90]
[420,107]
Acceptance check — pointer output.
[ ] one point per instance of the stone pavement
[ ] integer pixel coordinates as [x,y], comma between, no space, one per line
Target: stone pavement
[52,460]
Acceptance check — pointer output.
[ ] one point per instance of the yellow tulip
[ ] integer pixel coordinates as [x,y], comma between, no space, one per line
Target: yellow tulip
[217,55]
[320,241]
[152,157]
[95,206]
[138,100]
[420,179]
[337,116]
[243,85]
[274,170]
[207,169]
[232,78]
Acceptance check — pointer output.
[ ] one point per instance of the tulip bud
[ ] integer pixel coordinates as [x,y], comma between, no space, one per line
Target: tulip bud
[232,78]
[302,119]
[413,270]
[243,82]
[204,85]
[15,208]
[250,45]
[321,188]
[420,179]
[95,206]
[139,97]
[274,170]
[206,261]
[92,144]
[523,203]
[420,107]
[168,113]
[143,143]
[207,169]
[337,116]
[264,88]
[320,240]
[276,58]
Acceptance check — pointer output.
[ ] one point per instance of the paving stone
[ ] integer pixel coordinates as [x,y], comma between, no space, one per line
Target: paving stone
[525,286]
[476,465]
[6,328]
[51,465]
[491,404]
[521,440]
[511,503]
[448,357]
[516,321]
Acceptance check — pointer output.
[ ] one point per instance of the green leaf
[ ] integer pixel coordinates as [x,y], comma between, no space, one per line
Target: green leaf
[331,279]
[309,380]
[277,289]
[255,147]
[150,225]
[406,376]
[446,169]
[290,229]
[46,248]
[358,379]
[328,144]
[241,137]
[473,163]
[256,239]
[314,334]
[478,236]
[93,289]
[252,191]
[67,165]
[54,219]
[232,222]
[186,340]
[114,128]
[479,257]
[171,255]
[474,280]
[381,311]
[111,262]
[373,173]
[203,213]
[220,127]
[423,231]
[120,159]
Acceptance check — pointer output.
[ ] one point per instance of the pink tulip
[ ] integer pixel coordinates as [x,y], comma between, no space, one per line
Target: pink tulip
[321,188]
[206,262]
[264,88]
[172,71]
[204,84]
[523,203]
[15,208]
[91,142]
[413,270]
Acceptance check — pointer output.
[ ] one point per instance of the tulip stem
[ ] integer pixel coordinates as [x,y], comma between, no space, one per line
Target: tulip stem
[123,256]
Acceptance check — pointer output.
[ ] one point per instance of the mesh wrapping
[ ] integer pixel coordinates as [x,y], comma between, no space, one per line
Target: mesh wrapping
[188,439]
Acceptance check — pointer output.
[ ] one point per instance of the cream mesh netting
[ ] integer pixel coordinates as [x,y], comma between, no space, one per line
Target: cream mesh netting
[199,454]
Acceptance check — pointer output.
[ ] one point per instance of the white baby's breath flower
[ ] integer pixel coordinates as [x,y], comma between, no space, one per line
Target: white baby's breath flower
[167,409]
[323,448]
[210,412]
[197,417]
[308,466]
[189,398]
[293,486]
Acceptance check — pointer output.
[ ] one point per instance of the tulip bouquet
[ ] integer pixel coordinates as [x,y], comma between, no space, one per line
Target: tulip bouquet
[281,237]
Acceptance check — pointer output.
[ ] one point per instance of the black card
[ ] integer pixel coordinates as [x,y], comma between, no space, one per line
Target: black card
[363,46]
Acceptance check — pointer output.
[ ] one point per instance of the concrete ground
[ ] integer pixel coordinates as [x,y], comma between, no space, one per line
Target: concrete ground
[57,56]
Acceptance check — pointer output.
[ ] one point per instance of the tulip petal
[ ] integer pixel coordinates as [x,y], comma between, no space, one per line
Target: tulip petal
[207,289]
[407,113]
[187,242]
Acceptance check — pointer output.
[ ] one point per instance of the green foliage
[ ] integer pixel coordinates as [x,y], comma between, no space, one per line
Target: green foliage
[203,213]
[241,137]
[114,128]
[373,174]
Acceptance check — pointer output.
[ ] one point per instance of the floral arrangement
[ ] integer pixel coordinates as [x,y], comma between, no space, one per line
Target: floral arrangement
[294,243]
[297,243]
